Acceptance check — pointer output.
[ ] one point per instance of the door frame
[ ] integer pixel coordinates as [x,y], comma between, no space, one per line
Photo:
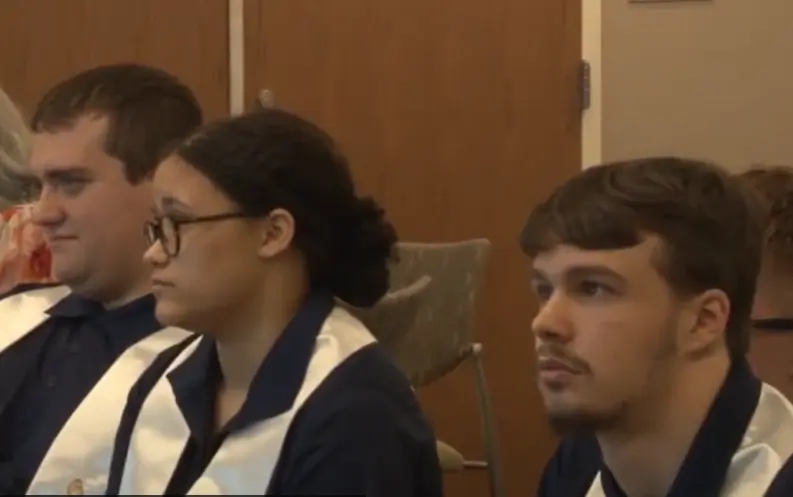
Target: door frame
[591,48]
[236,29]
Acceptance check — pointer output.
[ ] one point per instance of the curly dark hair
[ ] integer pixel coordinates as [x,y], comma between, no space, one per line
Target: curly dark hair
[270,158]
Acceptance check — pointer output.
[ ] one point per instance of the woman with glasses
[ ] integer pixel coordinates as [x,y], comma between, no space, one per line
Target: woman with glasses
[257,229]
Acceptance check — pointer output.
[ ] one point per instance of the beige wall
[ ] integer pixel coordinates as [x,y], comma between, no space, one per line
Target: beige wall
[710,79]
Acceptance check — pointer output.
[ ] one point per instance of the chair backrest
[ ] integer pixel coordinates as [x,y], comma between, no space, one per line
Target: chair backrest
[442,330]
[394,314]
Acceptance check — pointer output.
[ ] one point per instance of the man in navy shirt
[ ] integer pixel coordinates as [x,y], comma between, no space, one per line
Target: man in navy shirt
[645,271]
[70,353]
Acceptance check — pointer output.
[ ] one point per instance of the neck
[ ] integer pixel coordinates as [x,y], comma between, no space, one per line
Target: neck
[244,345]
[646,453]
[134,293]
[118,295]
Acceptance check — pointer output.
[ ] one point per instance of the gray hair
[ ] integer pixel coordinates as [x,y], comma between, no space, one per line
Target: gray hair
[15,187]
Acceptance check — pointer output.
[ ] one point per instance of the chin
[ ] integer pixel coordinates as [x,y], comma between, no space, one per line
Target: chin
[574,423]
[64,268]
[67,272]
[168,313]
[572,419]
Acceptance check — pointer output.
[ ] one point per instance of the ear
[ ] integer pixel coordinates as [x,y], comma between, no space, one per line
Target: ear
[278,231]
[707,320]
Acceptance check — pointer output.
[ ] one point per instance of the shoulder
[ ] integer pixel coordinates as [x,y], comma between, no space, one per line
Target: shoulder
[33,288]
[361,432]
[367,384]
[572,467]
[368,379]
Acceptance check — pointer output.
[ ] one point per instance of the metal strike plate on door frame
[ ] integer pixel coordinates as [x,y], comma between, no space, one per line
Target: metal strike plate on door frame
[585,85]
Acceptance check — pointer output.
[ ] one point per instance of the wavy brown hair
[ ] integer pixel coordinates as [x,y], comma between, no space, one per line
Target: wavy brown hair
[774,186]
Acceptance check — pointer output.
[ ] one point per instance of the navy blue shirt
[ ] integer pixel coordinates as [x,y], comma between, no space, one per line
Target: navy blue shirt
[361,432]
[45,376]
[573,467]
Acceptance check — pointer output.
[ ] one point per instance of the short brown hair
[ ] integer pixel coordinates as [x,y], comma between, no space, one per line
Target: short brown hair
[774,185]
[710,227]
[149,111]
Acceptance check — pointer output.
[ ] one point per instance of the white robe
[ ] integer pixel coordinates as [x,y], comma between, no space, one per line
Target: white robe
[766,446]
[245,462]
[78,461]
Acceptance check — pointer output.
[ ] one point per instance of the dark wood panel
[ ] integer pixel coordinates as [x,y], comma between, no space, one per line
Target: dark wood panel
[45,41]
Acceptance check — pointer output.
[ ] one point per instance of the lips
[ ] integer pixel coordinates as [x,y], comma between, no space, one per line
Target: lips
[551,364]
[157,282]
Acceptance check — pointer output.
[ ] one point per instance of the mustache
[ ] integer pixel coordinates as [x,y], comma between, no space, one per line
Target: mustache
[558,353]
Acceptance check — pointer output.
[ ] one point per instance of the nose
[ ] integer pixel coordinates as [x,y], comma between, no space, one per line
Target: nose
[48,210]
[155,255]
[553,321]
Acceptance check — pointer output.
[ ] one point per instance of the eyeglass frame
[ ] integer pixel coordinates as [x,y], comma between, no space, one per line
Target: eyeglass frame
[154,232]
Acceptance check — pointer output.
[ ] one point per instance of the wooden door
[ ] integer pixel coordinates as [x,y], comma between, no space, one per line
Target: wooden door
[458,115]
[44,41]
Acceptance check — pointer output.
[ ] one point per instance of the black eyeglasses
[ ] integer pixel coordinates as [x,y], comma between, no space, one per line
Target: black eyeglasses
[776,325]
[166,230]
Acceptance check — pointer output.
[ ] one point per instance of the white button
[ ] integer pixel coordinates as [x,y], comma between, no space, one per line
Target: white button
[75,487]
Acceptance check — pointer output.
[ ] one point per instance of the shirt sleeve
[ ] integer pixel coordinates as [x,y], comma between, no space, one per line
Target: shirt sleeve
[363,443]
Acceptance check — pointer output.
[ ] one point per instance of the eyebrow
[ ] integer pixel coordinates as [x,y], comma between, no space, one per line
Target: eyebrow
[67,173]
[583,271]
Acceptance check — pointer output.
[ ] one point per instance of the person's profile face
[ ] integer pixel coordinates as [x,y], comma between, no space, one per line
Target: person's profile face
[217,265]
[89,213]
[606,320]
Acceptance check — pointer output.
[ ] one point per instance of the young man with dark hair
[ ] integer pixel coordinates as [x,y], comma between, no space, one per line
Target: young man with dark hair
[70,353]
[645,271]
